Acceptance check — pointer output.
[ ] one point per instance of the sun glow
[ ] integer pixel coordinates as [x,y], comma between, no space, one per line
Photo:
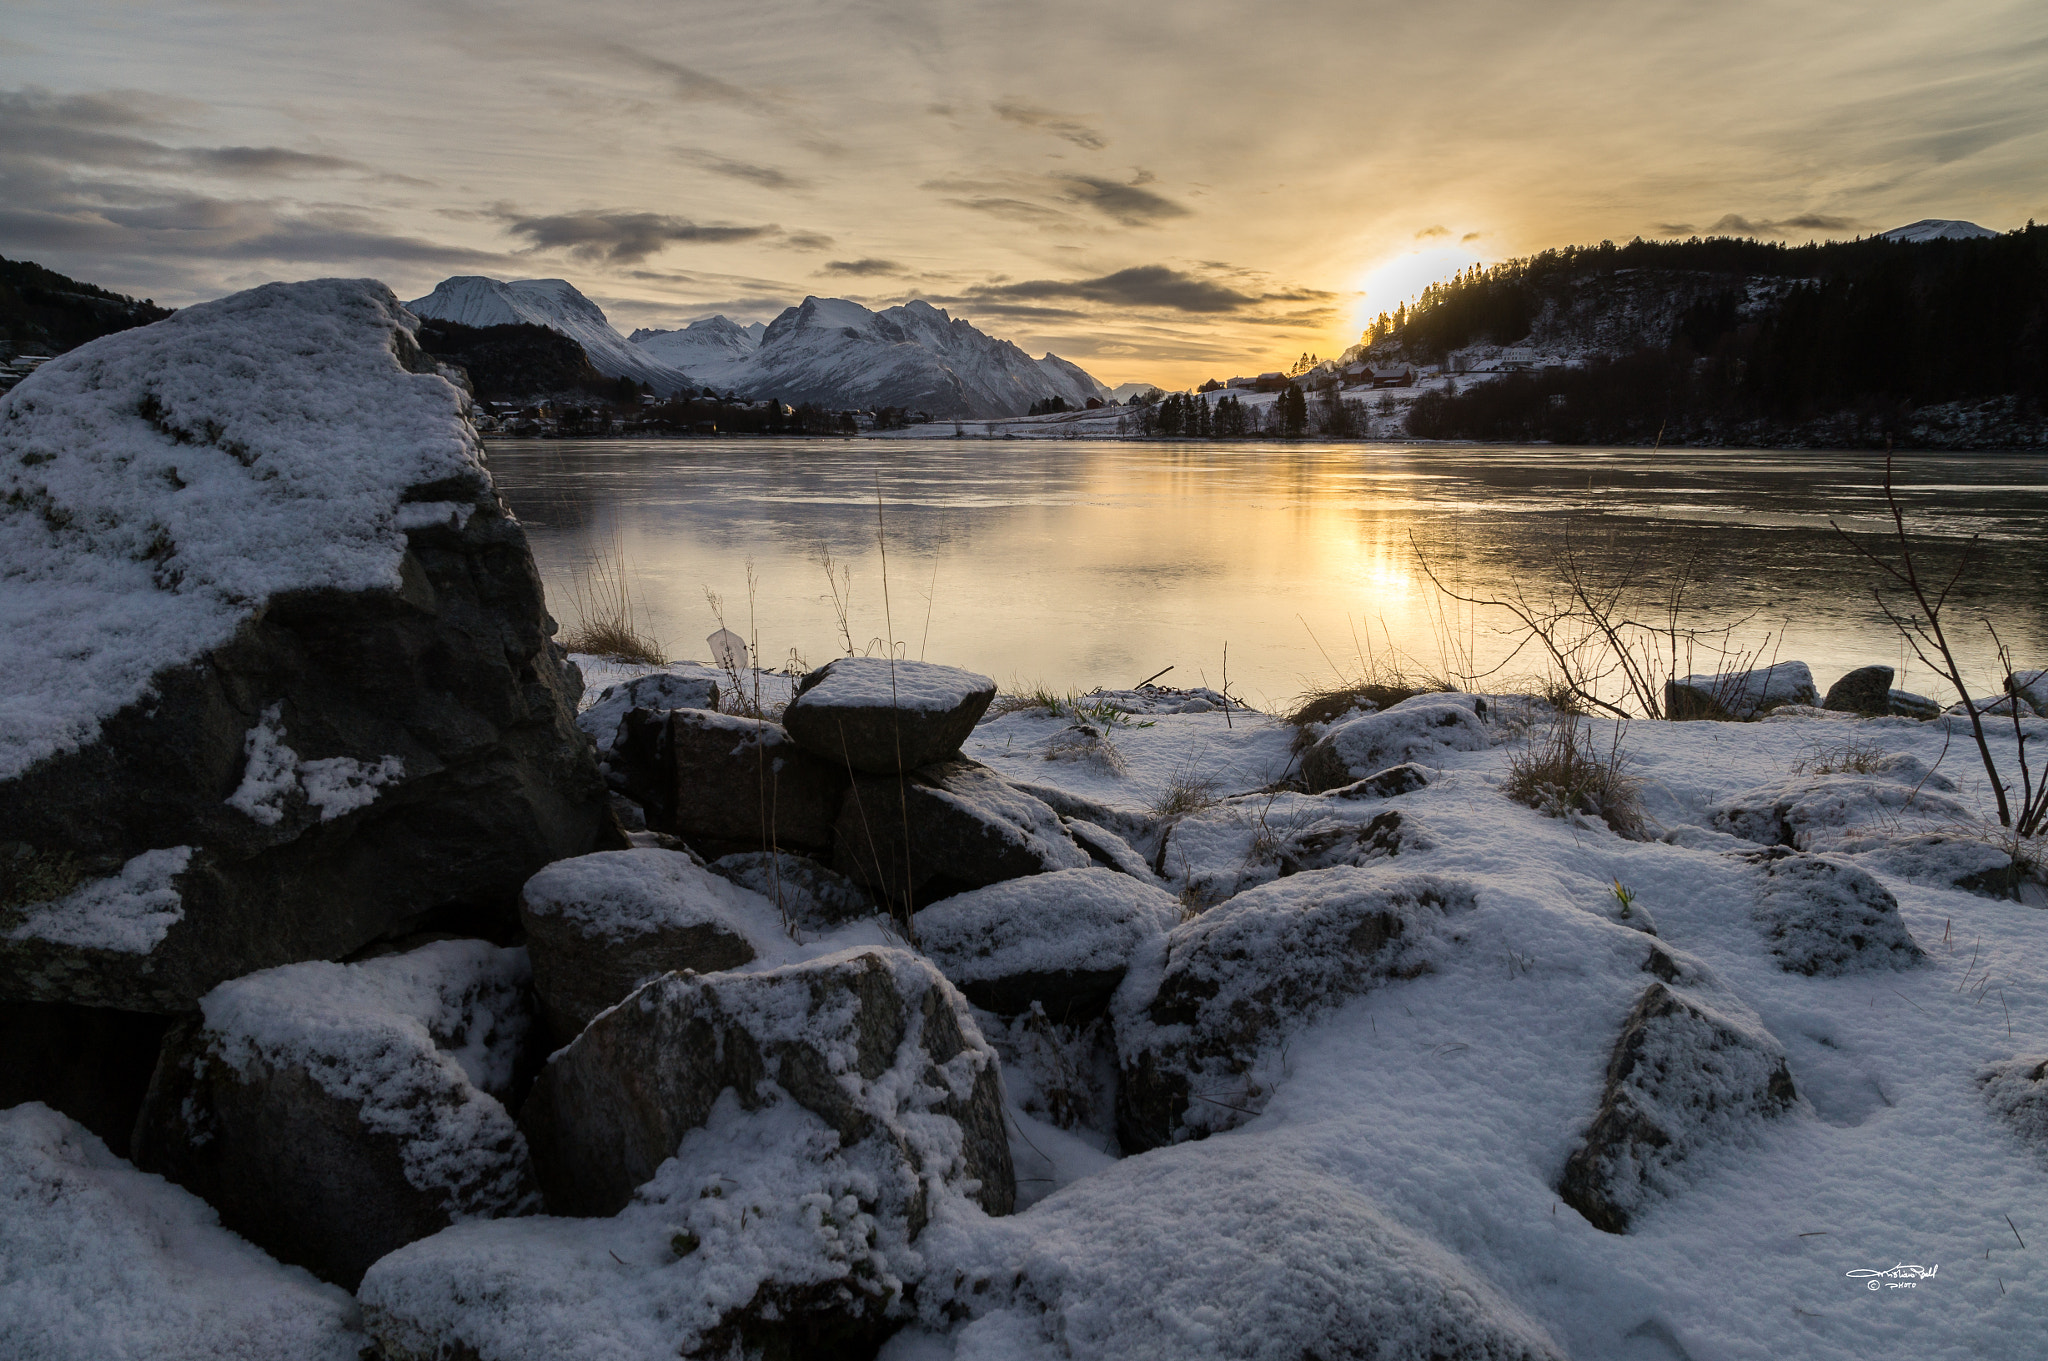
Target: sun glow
[1401,278]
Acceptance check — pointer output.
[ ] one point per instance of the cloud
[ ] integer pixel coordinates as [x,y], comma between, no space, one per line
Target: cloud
[766,176]
[1045,120]
[1130,204]
[103,130]
[1817,222]
[1427,232]
[622,238]
[1674,229]
[807,241]
[1140,286]
[862,268]
[1738,225]
[1017,209]
[267,160]
[1471,236]
[686,82]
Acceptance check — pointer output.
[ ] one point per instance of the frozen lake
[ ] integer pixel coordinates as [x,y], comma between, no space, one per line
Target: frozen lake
[1084,563]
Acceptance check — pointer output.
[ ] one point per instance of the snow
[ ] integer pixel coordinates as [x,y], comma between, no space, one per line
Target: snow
[417,1043]
[883,683]
[273,773]
[98,1260]
[1420,729]
[622,894]
[131,912]
[711,350]
[158,485]
[1080,920]
[1936,229]
[472,300]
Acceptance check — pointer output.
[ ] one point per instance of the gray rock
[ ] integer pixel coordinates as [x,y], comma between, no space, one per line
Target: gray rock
[878,716]
[2017,1089]
[1909,705]
[1736,695]
[811,895]
[1825,918]
[1795,812]
[334,1112]
[1143,831]
[600,925]
[323,765]
[1321,848]
[1681,1080]
[742,784]
[1387,784]
[1108,849]
[826,1034]
[1061,940]
[638,766]
[943,829]
[1866,690]
[1199,1033]
[1424,728]
[657,690]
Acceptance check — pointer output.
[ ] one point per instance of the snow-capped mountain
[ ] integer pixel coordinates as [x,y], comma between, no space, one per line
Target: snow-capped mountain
[840,354]
[1936,229]
[472,300]
[711,351]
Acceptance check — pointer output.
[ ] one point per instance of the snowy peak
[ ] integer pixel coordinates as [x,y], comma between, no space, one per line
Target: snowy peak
[707,349]
[473,300]
[1937,229]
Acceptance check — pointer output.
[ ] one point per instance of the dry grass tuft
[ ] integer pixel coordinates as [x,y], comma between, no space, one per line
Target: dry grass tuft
[1187,791]
[1565,773]
[1845,758]
[605,623]
[1327,706]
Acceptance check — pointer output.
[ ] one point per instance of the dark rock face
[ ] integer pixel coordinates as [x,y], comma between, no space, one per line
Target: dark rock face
[451,676]
[599,926]
[1385,837]
[318,1109]
[1826,918]
[1909,705]
[878,717]
[944,829]
[811,895]
[2017,1089]
[740,784]
[1198,1040]
[88,1062]
[609,1109]
[1866,690]
[1395,780]
[657,690]
[1681,1080]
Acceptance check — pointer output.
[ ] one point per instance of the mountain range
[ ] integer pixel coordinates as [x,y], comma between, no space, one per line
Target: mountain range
[828,351]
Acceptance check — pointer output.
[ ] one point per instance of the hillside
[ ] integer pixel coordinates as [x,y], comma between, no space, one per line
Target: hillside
[472,300]
[514,362]
[1933,337]
[44,312]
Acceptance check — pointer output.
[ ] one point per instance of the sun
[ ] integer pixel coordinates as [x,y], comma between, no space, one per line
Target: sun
[1401,278]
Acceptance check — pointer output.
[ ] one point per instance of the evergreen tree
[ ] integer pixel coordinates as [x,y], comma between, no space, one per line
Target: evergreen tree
[1293,408]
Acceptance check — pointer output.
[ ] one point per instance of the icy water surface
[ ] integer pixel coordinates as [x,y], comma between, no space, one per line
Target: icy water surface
[1083,563]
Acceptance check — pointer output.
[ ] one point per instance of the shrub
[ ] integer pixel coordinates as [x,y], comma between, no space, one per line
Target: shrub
[1564,772]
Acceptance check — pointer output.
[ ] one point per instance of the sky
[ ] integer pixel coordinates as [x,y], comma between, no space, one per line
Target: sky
[1159,192]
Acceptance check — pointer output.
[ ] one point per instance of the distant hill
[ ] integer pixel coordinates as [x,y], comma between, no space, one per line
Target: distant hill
[44,312]
[1930,334]
[1937,229]
[711,350]
[472,300]
[516,362]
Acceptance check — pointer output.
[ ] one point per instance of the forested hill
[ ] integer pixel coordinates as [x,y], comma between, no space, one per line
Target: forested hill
[1725,341]
[43,312]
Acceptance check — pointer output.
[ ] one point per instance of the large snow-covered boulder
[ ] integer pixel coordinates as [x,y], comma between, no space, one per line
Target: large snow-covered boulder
[878,716]
[1683,1080]
[100,1260]
[1202,1253]
[1825,918]
[1199,1022]
[1805,810]
[600,925]
[275,673]
[1740,694]
[333,1112]
[1062,940]
[872,1042]
[657,690]
[740,784]
[944,829]
[1422,729]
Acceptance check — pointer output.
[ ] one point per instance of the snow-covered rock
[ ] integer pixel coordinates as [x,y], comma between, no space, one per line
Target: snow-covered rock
[472,300]
[878,716]
[275,674]
[1740,694]
[600,925]
[946,828]
[1684,1080]
[333,1112]
[100,1260]
[808,894]
[1866,690]
[2017,1089]
[657,690]
[2031,686]
[1802,812]
[1389,783]
[1199,1021]
[1062,940]
[1823,917]
[1415,730]
[741,784]
[1105,847]
[1193,1254]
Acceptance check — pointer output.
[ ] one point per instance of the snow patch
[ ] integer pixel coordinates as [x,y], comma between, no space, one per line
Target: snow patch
[130,912]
